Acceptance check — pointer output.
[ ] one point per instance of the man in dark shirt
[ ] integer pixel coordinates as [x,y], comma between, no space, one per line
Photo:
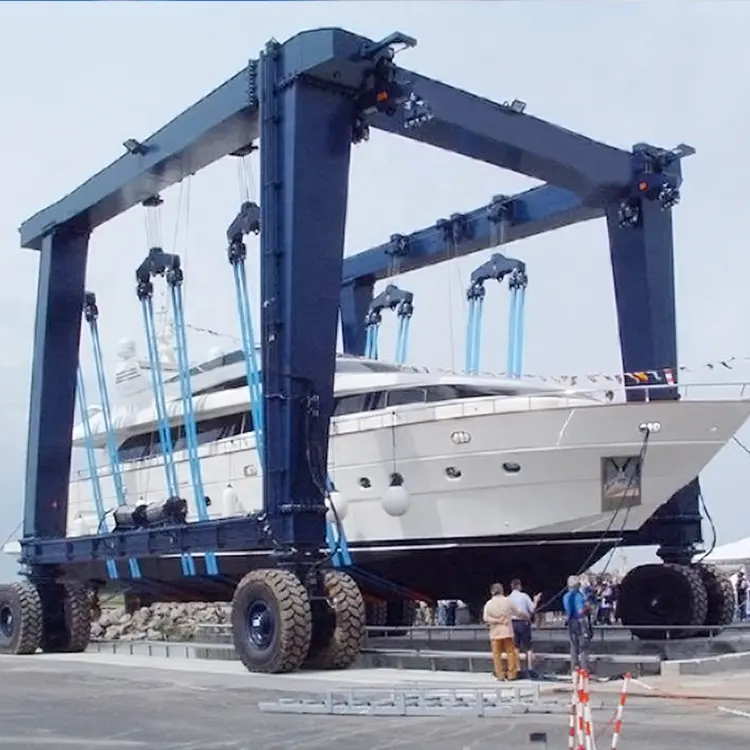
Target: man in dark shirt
[577,618]
[741,587]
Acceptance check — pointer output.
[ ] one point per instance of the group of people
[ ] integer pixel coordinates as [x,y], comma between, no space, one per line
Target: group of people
[510,618]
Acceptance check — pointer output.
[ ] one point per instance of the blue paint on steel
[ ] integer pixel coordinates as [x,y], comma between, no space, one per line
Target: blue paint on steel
[7,624]
[62,273]
[91,313]
[320,90]
[299,318]
[261,625]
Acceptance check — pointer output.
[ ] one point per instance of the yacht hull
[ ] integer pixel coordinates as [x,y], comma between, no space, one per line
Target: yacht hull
[475,469]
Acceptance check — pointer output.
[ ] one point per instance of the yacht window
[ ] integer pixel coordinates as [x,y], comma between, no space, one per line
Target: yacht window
[404,396]
[179,439]
[135,448]
[357,403]
[217,428]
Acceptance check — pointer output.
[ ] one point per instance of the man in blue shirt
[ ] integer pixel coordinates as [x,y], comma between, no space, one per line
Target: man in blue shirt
[577,618]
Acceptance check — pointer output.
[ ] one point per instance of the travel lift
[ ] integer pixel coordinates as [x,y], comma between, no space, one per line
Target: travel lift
[307,100]
[497,267]
[392,298]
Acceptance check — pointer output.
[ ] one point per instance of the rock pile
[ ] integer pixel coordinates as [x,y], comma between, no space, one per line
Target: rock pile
[159,622]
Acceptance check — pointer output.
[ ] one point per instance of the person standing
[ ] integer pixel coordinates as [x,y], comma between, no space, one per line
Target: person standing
[498,614]
[742,595]
[522,625]
[578,620]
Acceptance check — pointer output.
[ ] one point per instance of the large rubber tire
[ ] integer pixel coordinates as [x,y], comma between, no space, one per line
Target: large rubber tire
[20,619]
[271,621]
[340,645]
[657,596]
[721,596]
[67,617]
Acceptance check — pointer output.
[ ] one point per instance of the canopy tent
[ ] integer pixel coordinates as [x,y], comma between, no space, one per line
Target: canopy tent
[735,554]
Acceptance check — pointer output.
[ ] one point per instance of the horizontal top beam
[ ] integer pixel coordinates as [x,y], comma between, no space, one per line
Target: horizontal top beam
[485,130]
[534,211]
[220,123]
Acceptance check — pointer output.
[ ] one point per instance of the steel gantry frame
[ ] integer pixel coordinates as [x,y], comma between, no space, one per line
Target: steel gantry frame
[307,100]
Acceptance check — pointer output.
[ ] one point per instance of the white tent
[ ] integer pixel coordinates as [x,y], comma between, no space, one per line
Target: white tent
[735,554]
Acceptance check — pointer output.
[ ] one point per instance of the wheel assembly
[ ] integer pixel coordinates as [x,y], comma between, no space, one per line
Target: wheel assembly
[20,618]
[66,609]
[271,621]
[658,596]
[720,594]
[338,639]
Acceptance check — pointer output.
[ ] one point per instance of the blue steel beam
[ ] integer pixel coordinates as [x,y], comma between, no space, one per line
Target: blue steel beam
[467,124]
[532,212]
[223,122]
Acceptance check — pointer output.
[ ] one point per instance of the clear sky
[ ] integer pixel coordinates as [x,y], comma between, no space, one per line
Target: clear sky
[80,78]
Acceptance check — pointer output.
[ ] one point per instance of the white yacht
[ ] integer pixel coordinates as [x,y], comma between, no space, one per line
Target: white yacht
[500,475]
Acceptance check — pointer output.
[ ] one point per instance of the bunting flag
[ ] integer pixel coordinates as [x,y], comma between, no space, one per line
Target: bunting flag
[647,377]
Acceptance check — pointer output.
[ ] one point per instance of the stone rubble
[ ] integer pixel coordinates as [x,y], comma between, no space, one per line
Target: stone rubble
[159,622]
[179,622]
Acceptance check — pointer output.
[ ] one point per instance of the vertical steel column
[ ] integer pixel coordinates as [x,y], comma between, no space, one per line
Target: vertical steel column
[60,292]
[643,269]
[305,150]
[356,296]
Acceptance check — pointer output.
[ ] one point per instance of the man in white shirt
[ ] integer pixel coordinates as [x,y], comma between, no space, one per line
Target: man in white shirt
[522,626]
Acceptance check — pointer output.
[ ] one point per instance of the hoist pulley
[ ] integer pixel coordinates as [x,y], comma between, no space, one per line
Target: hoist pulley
[497,268]
[402,302]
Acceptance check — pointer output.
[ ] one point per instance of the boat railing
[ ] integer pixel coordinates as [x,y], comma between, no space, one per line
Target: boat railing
[616,392]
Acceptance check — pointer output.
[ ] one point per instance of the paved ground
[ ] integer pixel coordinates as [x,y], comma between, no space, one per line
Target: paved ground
[99,702]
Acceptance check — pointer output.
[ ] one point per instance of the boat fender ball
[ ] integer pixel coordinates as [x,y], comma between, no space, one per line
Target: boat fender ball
[229,502]
[395,499]
[81,526]
[336,502]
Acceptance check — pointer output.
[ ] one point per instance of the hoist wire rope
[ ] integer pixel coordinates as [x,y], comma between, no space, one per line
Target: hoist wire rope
[189,422]
[109,429]
[96,486]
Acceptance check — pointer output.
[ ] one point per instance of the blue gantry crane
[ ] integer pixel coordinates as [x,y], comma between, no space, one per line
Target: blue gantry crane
[497,268]
[308,100]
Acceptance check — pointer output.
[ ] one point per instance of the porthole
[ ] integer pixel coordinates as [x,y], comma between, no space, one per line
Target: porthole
[453,473]
[511,467]
[365,483]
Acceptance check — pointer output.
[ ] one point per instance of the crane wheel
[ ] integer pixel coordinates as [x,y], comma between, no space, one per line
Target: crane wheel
[658,596]
[20,618]
[271,621]
[66,608]
[720,592]
[338,639]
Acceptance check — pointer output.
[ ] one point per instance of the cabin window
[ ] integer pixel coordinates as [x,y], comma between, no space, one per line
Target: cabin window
[135,448]
[358,402]
[405,396]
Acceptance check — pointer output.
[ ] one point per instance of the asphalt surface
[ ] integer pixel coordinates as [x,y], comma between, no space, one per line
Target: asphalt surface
[92,702]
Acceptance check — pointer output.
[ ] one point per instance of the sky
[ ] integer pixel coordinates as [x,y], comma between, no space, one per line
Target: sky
[80,78]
